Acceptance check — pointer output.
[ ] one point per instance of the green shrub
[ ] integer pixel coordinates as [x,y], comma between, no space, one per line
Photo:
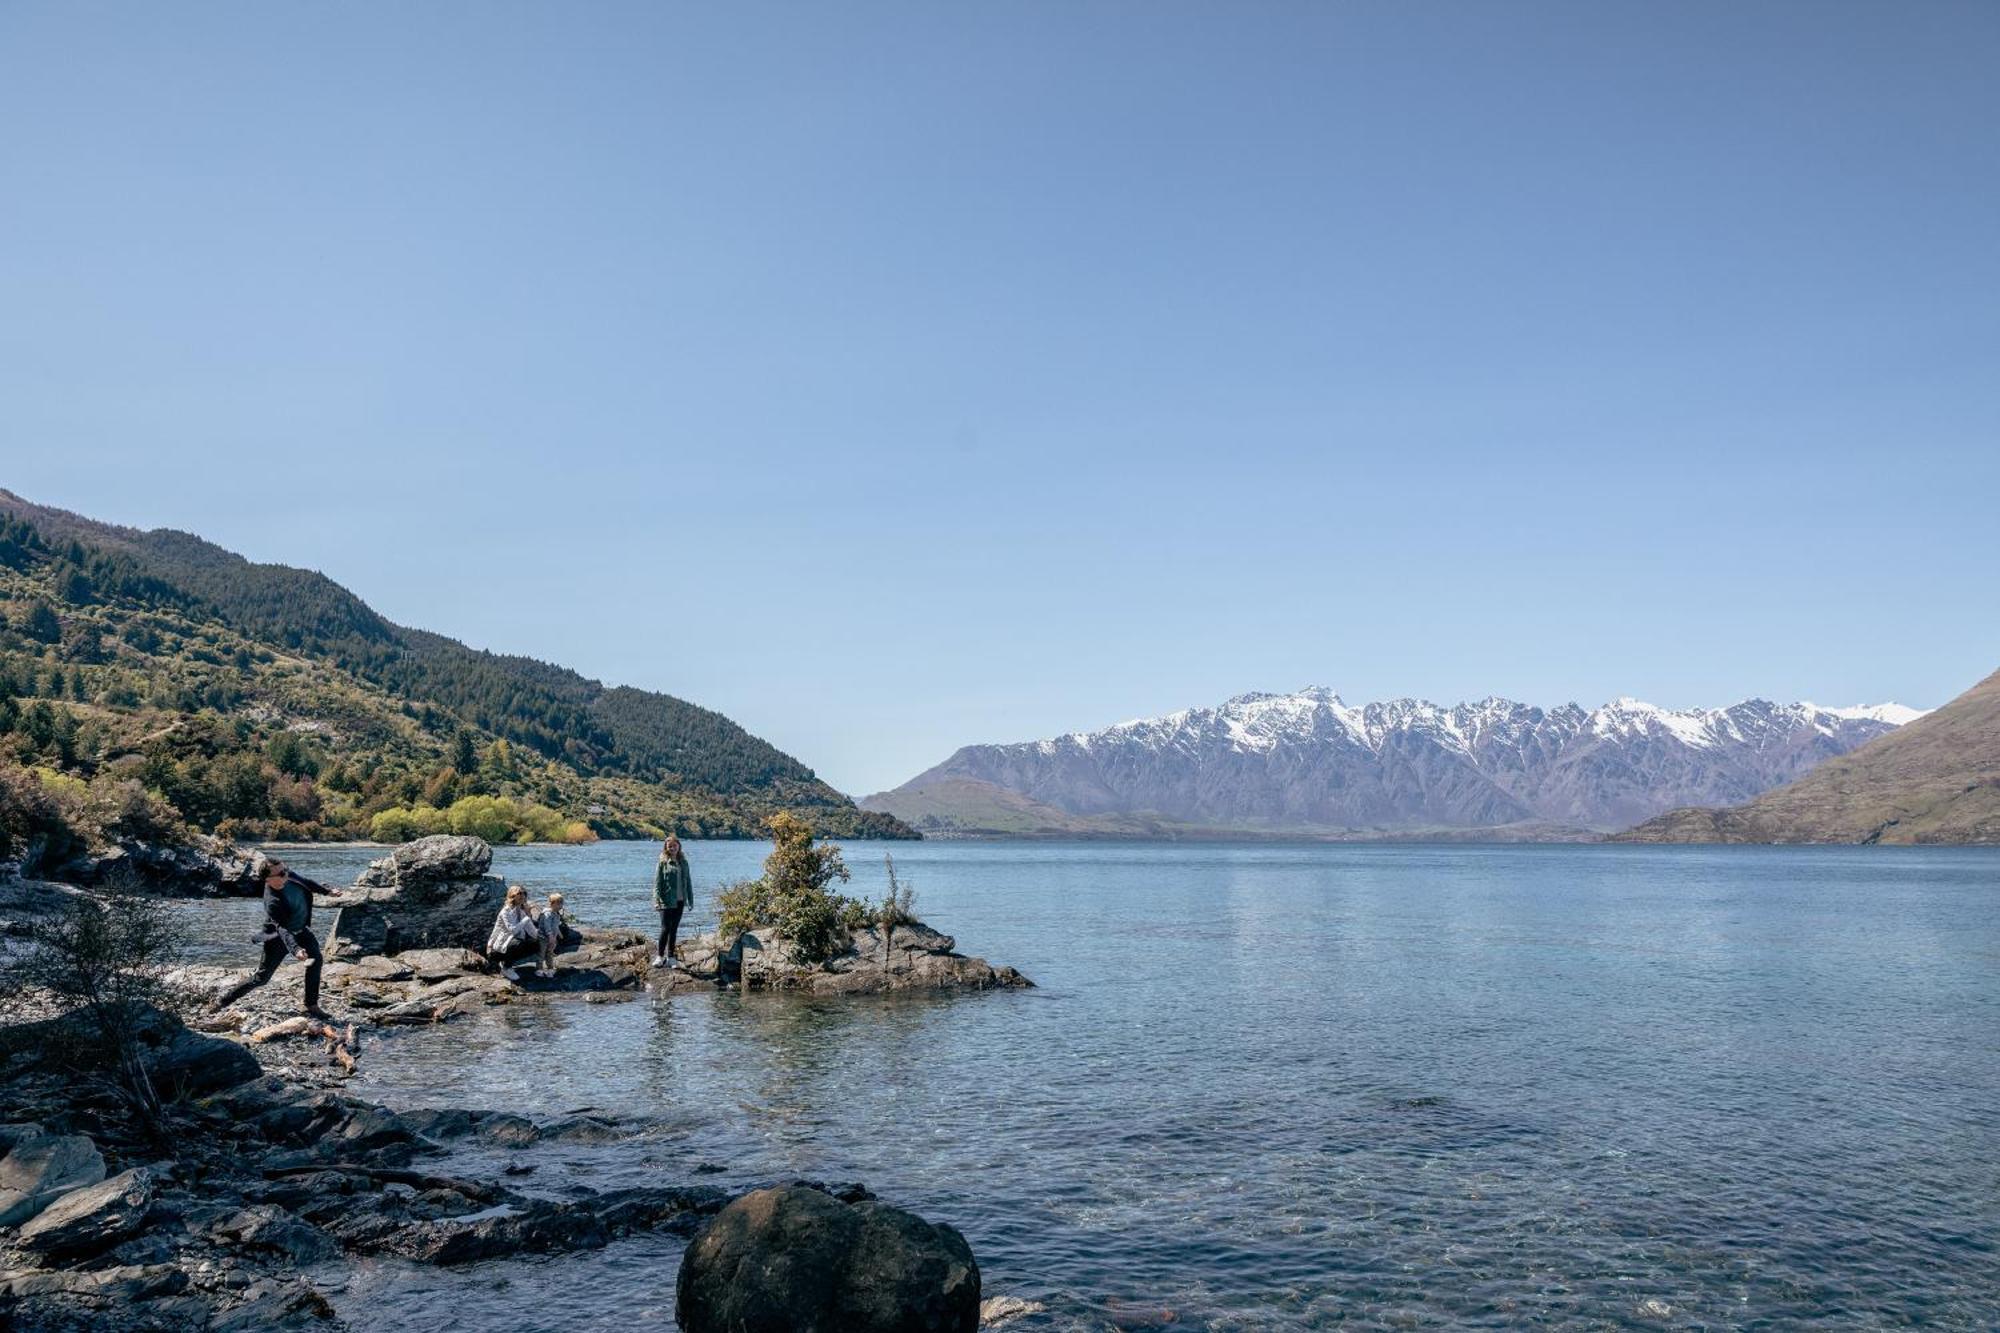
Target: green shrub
[30,810]
[488,817]
[744,904]
[116,808]
[896,907]
[494,818]
[794,895]
[401,824]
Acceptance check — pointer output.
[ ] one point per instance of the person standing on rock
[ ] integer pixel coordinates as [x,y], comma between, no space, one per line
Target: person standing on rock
[288,914]
[550,922]
[673,894]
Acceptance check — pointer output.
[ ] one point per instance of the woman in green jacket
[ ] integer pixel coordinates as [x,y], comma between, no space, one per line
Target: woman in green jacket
[673,893]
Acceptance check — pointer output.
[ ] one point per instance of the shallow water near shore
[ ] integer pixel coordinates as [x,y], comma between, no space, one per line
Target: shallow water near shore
[1305,1086]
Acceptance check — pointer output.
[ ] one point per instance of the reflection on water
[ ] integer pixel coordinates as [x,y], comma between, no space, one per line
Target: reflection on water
[1274,1087]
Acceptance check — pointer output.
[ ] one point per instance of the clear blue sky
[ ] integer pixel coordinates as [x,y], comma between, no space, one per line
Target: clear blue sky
[897,376]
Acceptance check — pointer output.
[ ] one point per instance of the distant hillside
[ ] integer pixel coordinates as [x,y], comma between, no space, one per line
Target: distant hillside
[164,651]
[1309,764]
[1935,780]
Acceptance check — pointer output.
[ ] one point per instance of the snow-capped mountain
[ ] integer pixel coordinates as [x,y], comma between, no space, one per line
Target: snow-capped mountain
[1310,762]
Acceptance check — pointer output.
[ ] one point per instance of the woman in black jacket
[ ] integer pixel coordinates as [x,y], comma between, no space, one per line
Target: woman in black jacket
[287,929]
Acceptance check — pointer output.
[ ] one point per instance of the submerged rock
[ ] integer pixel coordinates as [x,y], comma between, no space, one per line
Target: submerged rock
[796,1260]
[532,1226]
[997,1310]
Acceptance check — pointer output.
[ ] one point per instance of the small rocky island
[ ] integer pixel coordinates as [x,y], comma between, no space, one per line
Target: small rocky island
[405,950]
[189,1184]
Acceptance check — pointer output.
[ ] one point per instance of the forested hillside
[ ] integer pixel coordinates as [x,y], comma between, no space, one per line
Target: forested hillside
[267,701]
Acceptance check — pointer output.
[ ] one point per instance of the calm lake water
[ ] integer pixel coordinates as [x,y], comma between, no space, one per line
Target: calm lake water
[1275,1087]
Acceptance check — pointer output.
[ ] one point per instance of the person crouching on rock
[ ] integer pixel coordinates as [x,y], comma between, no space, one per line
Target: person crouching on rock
[288,914]
[673,893]
[516,934]
[549,921]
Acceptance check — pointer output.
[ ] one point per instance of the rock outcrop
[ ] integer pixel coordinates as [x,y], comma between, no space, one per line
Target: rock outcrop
[444,858]
[419,987]
[203,867]
[433,893]
[26,903]
[40,1168]
[270,1176]
[89,1221]
[911,958]
[795,1259]
[180,1063]
[266,1178]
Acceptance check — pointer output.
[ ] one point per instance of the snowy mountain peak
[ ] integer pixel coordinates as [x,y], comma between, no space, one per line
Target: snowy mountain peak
[1896,715]
[1308,760]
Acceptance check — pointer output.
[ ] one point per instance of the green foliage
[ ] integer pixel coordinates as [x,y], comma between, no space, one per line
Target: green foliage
[407,823]
[797,865]
[163,635]
[465,754]
[74,586]
[62,814]
[898,904]
[794,896]
[742,905]
[494,818]
[96,964]
[30,815]
[290,755]
[41,623]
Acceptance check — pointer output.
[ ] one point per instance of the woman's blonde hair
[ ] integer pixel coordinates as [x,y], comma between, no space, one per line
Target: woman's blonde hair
[516,896]
[671,845]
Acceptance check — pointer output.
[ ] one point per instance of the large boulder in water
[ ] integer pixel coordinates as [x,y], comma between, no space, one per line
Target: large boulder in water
[796,1260]
[433,893]
[441,859]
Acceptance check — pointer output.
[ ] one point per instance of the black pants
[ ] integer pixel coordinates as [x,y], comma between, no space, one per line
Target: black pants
[670,929]
[515,951]
[275,953]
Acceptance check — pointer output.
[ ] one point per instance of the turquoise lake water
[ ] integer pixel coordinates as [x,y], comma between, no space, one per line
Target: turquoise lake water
[1311,1086]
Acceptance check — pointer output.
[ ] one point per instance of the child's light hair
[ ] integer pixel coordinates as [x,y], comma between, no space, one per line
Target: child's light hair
[556,899]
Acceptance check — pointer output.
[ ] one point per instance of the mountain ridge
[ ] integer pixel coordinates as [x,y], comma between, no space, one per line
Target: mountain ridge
[642,761]
[1936,780]
[1307,762]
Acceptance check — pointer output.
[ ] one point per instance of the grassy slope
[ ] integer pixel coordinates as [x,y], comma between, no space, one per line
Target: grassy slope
[1935,780]
[271,648]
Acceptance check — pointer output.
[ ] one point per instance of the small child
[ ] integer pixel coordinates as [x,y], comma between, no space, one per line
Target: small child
[550,922]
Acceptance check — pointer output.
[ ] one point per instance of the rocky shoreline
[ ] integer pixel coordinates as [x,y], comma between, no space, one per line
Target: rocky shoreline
[265,1173]
[111,1226]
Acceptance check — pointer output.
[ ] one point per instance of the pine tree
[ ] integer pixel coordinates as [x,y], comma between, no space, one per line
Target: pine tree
[465,754]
